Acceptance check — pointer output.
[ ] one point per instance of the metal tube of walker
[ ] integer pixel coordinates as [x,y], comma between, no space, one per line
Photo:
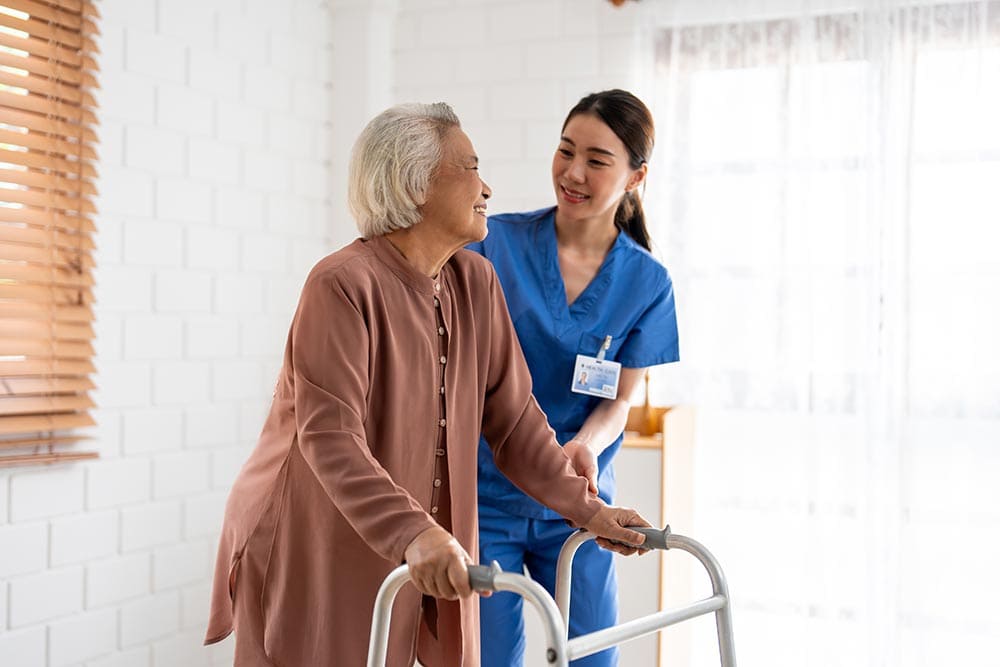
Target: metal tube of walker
[481,578]
[657,539]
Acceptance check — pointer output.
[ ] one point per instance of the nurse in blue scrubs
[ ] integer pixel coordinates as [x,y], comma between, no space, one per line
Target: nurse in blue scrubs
[592,309]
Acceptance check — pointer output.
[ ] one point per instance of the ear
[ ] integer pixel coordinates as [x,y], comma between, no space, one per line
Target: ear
[637,177]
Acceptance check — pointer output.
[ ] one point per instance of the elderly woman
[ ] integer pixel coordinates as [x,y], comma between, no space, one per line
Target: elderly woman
[400,352]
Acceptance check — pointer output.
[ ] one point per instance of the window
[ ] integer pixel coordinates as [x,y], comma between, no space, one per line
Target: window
[825,184]
[46,181]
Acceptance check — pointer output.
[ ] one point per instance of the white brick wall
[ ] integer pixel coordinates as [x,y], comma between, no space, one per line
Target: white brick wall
[226,127]
[214,199]
[512,69]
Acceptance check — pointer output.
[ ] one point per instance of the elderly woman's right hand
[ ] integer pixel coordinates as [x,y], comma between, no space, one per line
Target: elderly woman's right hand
[438,564]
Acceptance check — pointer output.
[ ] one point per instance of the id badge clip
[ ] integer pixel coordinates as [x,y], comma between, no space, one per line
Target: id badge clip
[596,376]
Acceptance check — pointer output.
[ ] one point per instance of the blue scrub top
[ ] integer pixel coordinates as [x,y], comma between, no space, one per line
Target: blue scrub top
[631,299]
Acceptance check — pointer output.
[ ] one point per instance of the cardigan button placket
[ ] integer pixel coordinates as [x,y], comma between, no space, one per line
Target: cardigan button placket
[439,483]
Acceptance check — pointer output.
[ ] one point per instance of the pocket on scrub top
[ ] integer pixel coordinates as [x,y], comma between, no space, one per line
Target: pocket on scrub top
[591,344]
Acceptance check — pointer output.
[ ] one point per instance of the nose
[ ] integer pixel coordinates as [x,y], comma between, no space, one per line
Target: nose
[487,192]
[575,171]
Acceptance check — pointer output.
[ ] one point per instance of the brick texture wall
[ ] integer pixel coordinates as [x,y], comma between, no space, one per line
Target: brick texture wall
[214,181]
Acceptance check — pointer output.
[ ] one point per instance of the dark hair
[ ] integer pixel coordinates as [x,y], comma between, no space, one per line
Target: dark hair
[631,122]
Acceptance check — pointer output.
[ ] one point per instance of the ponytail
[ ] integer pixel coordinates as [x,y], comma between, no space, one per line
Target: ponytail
[630,218]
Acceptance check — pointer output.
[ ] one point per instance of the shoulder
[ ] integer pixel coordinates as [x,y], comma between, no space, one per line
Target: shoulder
[644,267]
[473,268]
[510,232]
[514,223]
[349,270]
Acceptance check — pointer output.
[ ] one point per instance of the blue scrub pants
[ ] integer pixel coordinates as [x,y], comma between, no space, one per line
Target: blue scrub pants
[516,542]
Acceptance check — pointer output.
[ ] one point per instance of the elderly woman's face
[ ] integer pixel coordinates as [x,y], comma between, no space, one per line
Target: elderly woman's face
[456,198]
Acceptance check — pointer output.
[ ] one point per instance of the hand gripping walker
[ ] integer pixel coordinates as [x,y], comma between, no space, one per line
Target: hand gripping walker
[554,613]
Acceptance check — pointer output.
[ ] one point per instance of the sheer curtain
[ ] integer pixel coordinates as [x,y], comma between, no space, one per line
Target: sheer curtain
[826,193]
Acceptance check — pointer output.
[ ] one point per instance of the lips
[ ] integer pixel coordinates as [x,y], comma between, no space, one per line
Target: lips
[480,209]
[573,196]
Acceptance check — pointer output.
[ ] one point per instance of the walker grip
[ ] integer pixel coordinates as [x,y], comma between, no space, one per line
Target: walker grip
[481,577]
[655,537]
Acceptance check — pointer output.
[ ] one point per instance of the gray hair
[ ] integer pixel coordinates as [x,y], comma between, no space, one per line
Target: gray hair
[392,164]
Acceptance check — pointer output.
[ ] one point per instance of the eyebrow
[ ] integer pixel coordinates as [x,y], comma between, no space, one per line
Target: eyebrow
[602,151]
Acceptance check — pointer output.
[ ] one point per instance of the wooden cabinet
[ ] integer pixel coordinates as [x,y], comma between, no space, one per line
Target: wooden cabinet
[670,431]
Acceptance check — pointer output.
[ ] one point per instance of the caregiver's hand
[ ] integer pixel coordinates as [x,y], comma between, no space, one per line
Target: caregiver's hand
[584,462]
[438,564]
[609,527]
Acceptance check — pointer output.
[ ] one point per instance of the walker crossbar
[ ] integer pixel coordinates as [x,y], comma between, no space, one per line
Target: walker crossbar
[593,642]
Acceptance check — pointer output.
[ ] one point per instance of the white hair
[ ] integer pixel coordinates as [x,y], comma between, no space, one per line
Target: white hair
[392,164]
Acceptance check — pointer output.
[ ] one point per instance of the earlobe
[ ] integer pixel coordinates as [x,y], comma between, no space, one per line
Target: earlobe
[637,179]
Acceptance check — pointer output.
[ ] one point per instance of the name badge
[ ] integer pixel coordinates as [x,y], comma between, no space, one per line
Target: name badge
[596,376]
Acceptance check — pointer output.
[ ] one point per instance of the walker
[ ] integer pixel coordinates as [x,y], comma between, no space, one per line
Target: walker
[554,613]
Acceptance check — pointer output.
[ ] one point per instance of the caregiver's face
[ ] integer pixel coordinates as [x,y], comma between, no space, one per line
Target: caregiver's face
[456,198]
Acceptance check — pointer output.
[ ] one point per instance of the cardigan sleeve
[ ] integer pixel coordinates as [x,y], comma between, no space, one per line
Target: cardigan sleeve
[524,446]
[330,358]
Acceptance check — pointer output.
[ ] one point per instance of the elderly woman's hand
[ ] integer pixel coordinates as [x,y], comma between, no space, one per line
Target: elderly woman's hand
[608,525]
[438,564]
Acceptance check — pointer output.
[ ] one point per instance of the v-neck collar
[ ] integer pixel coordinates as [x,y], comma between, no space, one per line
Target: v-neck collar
[581,313]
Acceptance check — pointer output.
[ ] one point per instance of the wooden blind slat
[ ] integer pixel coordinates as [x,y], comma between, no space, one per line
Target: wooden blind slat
[43,124]
[42,366]
[25,386]
[62,350]
[49,294]
[46,237]
[45,458]
[35,405]
[55,348]
[47,218]
[33,274]
[51,89]
[63,259]
[36,160]
[41,423]
[43,30]
[40,10]
[47,150]
[49,181]
[46,311]
[43,199]
[52,145]
[42,48]
[41,105]
[48,68]
[67,258]
[24,328]
[42,441]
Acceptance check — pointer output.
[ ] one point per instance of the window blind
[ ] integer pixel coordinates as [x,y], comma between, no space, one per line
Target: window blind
[47,154]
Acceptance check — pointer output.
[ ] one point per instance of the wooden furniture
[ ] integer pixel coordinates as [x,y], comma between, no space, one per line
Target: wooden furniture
[670,430]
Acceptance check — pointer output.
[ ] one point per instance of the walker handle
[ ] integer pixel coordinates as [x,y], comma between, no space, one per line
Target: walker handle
[481,577]
[655,537]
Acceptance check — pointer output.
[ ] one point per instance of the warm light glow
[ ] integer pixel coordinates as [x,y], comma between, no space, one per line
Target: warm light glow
[24,16]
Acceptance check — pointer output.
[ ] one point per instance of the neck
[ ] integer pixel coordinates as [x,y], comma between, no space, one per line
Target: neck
[590,235]
[420,248]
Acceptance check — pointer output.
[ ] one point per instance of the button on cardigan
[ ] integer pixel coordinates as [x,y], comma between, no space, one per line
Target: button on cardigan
[343,475]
